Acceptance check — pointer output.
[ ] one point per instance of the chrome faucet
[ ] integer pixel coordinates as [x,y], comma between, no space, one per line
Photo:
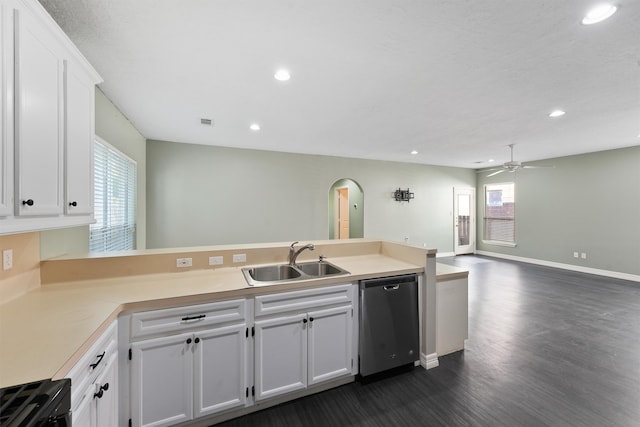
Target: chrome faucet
[293,254]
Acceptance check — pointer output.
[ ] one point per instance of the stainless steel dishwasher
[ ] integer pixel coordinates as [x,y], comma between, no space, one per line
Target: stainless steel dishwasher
[389,327]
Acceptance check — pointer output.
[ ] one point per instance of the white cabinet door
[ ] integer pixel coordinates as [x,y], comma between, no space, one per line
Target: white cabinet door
[6,109]
[105,398]
[330,343]
[38,119]
[79,136]
[220,369]
[81,416]
[280,355]
[162,381]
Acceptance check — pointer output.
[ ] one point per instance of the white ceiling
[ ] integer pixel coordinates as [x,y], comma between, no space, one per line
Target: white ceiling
[457,80]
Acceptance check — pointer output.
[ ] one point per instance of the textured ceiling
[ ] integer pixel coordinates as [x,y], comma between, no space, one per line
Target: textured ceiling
[457,80]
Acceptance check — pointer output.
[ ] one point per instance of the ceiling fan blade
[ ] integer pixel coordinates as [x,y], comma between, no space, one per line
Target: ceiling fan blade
[537,166]
[487,170]
[496,173]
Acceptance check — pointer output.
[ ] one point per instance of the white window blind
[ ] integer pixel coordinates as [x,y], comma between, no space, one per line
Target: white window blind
[499,213]
[114,199]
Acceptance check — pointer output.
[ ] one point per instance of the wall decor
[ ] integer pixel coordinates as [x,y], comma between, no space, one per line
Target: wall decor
[402,195]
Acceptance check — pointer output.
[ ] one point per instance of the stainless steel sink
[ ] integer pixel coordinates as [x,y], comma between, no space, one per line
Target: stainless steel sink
[273,273]
[283,273]
[319,269]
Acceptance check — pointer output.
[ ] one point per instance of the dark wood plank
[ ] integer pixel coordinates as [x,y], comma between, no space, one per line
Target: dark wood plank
[547,347]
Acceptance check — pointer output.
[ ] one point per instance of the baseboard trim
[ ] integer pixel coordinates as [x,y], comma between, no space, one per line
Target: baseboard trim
[588,270]
[444,254]
[429,360]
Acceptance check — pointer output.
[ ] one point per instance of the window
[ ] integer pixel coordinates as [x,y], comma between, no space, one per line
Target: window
[499,213]
[114,200]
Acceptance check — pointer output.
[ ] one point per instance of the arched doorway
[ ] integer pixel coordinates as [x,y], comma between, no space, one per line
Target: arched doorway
[346,210]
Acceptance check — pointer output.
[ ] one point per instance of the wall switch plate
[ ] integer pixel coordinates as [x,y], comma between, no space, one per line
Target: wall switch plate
[583,255]
[575,254]
[239,257]
[7,259]
[184,262]
[216,260]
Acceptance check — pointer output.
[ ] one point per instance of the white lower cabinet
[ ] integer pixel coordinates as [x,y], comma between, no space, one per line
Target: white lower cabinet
[191,362]
[301,349]
[94,384]
[189,375]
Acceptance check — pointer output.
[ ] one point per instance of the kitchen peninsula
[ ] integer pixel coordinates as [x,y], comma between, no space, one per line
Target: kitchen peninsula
[46,331]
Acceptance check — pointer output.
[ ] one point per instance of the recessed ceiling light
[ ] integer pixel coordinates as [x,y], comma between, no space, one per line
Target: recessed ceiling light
[254,127]
[557,113]
[414,152]
[282,75]
[599,13]
[491,160]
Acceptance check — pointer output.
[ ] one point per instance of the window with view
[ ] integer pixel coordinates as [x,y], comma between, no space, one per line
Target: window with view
[114,200]
[499,213]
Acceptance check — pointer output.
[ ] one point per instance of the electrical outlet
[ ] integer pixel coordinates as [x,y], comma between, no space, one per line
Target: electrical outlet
[216,260]
[575,254]
[7,259]
[583,255]
[239,257]
[184,262]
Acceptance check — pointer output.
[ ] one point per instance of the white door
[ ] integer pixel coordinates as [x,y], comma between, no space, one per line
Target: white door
[162,381]
[220,369]
[280,355]
[79,103]
[82,415]
[105,396]
[38,119]
[464,203]
[330,343]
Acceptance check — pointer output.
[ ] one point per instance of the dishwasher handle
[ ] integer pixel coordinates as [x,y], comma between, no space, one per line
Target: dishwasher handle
[391,287]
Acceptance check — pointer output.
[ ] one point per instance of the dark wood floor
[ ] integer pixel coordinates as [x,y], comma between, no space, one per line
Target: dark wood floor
[546,347]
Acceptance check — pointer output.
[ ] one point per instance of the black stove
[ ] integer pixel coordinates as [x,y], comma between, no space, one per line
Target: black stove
[37,404]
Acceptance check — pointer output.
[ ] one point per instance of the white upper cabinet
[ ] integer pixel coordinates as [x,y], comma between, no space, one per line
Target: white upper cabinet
[6,110]
[48,91]
[79,120]
[38,118]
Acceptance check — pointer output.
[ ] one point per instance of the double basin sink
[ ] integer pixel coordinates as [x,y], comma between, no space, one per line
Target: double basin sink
[283,273]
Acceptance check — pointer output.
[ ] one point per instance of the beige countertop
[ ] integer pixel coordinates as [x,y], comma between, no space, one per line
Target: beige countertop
[45,331]
[445,272]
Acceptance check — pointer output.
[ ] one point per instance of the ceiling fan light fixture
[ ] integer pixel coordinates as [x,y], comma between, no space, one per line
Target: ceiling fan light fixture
[414,152]
[254,127]
[557,113]
[599,13]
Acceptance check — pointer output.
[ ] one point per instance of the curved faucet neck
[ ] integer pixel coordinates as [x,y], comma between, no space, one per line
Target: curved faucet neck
[293,254]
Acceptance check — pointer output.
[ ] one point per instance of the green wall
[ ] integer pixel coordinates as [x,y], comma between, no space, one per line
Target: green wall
[588,203]
[203,195]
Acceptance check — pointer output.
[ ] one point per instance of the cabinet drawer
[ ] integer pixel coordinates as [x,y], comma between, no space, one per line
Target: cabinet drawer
[156,322]
[303,300]
[93,363]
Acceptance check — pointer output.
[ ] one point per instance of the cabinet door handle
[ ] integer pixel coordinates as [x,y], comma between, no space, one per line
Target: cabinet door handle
[197,340]
[101,391]
[188,340]
[28,202]
[304,320]
[310,319]
[100,357]
[201,316]
[74,204]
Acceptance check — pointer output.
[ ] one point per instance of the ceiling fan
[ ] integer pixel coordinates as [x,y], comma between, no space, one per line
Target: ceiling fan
[512,166]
